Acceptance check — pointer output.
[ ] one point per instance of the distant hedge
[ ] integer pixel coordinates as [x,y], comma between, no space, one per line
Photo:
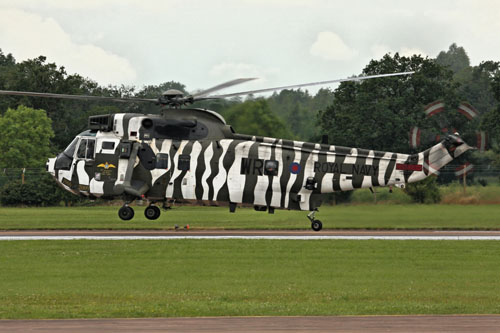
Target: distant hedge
[41,190]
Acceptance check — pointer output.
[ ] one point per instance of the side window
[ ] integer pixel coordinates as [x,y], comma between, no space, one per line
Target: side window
[81,148]
[184,162]
[271,168]
[108,145]
[161,161]
[90,149]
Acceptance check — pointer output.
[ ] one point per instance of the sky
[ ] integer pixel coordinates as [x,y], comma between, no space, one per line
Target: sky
[204,43]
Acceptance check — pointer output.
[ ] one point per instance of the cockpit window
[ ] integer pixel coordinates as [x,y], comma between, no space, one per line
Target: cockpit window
[70,150]
[86,149]
[81,149]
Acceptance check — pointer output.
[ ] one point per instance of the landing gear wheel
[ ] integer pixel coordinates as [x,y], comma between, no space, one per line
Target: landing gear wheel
[152,212]
[126,213]
[316,225]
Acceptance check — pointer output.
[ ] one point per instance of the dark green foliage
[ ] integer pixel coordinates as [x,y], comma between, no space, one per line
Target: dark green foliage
[299,110]
[425,191]
[39,191]
[482,181]
[477,85]
[491,123]
[378,114]
[341,197]
[255,118]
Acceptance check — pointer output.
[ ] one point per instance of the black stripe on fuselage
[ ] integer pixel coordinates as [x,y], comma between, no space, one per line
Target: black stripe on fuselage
[178,180]
[269,191]
[227,162]
[201,164]
[390,168]
[251,179]
[214,167]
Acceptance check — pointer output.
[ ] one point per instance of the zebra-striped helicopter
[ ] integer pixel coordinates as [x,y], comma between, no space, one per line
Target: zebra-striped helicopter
[192,154]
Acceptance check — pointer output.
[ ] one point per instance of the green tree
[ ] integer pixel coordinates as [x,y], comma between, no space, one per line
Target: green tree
[255,118]
[39,76]
[378,114]
[490,121]
[299,110]
[455,58]
[477,85]
[7,66]
[25,138]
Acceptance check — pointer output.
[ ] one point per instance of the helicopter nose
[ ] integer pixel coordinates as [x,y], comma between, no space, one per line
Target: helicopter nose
[49,166]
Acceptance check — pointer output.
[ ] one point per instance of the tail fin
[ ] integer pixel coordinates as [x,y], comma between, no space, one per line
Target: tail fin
[438,156]
[443,153]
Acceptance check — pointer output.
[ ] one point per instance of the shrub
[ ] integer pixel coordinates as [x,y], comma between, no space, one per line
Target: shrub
[37,191]
[425,191]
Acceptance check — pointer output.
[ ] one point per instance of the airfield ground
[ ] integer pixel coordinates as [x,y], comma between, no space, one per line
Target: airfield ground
[179,278]
[238,277]
[468,217]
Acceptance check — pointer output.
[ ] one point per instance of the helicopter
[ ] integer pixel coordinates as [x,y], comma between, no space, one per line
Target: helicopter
[193,154]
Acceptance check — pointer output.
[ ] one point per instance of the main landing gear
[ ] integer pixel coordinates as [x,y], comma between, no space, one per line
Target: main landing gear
[151,212]
[316,225]
[126,213]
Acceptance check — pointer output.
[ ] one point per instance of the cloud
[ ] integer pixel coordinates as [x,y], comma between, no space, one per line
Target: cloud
[330,46]
[35,35]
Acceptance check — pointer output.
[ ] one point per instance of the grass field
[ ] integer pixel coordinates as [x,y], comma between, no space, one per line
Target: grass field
[88,279]
[345,216]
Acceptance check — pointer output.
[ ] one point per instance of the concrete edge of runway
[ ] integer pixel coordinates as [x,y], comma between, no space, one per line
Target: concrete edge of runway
[248,234]
[384,323]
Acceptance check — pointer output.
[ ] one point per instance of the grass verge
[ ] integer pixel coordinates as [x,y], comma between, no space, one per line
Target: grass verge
[345,217]
[91,279]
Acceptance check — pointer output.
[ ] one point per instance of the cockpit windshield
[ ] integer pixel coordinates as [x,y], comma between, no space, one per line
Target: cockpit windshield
[70,150]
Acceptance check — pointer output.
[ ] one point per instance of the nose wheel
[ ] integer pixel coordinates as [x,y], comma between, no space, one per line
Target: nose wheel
[316,225]
[126,213]
[152,212]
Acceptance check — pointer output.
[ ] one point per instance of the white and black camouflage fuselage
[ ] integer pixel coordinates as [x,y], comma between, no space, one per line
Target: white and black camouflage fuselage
[136,158]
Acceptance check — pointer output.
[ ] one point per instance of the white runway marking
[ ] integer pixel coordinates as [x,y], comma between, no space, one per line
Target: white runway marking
[319,237]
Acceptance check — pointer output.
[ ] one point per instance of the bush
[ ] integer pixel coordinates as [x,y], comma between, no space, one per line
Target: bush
[425,191]
[38,191]
[336,198]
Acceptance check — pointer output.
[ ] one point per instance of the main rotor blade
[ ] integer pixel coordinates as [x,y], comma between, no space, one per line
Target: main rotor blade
[222,86]
[360,78]
[80,97]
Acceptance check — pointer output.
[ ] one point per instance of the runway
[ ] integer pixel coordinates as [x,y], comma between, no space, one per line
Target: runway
[423,323]
[248,234]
